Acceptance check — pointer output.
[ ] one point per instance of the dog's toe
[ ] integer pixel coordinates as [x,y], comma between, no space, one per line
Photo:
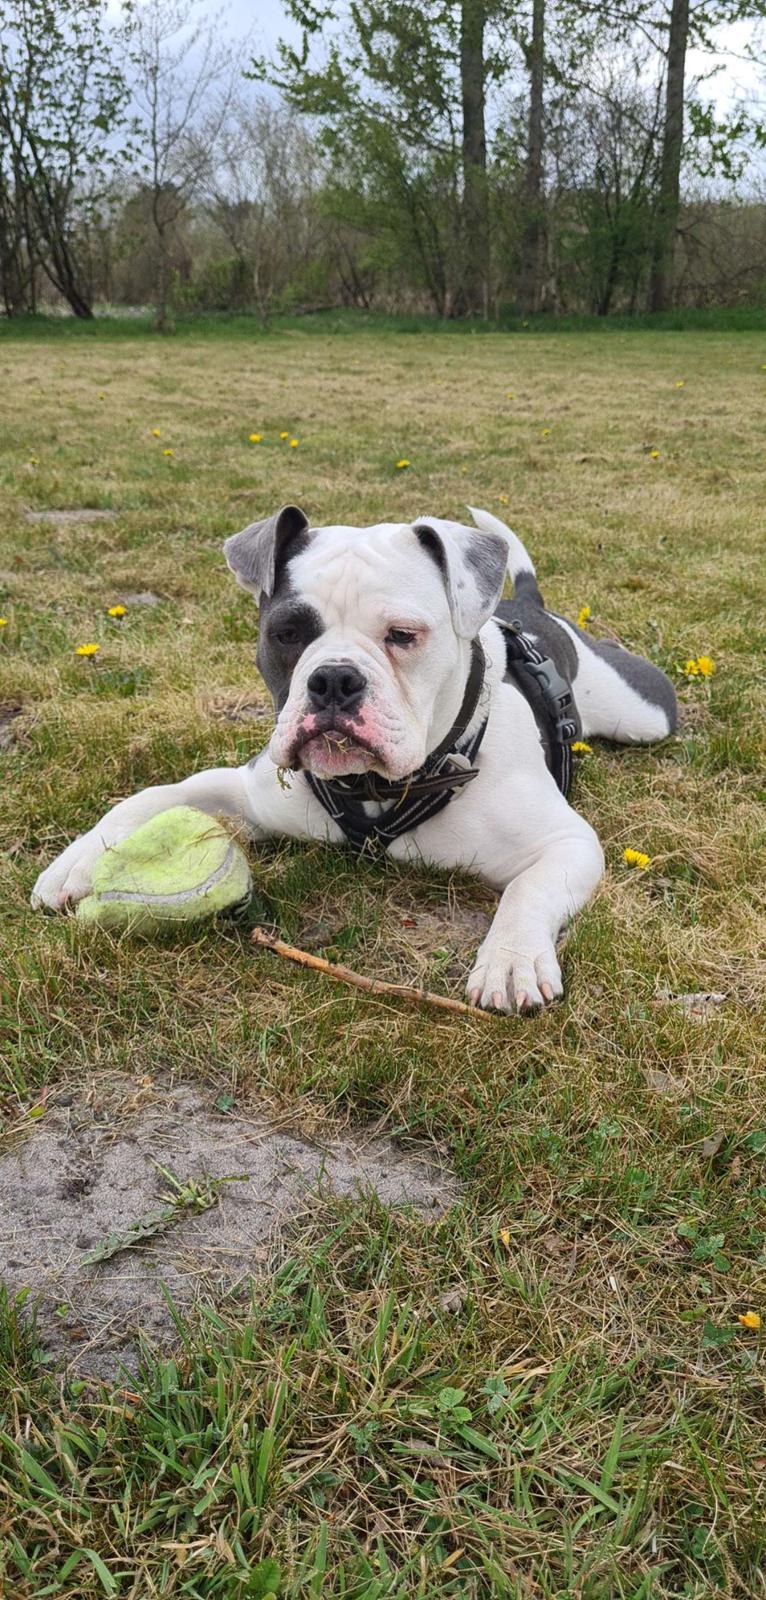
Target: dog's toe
[514,982]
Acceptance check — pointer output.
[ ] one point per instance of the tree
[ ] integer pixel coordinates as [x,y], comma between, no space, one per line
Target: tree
[473,19]
[260,190]
[533,201]
[181,91]
[606,151]
[400,100]
[669,195]
[63,99]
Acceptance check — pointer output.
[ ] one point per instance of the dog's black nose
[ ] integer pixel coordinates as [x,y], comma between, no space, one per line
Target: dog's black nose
[336,687]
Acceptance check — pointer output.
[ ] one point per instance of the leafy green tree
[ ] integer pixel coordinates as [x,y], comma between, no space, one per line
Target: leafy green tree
[63,101]
[400,98]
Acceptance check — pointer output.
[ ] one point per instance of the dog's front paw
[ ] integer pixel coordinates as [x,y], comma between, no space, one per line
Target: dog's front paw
[514,979]
[68,878]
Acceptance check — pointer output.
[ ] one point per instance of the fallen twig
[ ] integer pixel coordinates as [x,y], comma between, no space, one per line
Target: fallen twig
[399,991]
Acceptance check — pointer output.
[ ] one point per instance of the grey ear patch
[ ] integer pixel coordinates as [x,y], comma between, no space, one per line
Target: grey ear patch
[473,565]
[254,554]
[485,556]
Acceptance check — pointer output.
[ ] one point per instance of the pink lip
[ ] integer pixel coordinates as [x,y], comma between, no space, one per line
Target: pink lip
[329,759]
[333,736]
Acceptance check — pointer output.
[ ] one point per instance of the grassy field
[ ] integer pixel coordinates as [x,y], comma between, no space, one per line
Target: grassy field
[549,1391]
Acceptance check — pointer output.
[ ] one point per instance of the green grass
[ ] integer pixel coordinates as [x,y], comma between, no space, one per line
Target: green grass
[548,1392]
[116,324]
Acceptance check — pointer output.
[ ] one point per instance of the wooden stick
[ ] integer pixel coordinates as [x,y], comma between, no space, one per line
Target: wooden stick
[399,991]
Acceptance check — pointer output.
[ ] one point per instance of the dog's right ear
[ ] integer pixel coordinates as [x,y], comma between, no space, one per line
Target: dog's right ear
[256,554]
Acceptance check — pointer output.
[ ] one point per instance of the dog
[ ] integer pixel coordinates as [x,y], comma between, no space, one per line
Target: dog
[401,724]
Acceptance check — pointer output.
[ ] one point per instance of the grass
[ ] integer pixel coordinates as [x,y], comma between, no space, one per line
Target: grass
[547,1392]
[118,324]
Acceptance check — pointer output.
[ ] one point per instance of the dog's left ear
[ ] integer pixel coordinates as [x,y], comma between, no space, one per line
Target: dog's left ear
[473,566]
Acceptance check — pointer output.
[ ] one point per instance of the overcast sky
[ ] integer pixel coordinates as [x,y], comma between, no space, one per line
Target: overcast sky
[267,22]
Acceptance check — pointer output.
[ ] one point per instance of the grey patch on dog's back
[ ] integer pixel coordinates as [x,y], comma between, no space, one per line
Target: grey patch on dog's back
[527,589]
[544,628]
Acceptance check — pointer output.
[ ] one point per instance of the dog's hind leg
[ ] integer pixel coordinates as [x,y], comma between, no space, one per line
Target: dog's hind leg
[619,695]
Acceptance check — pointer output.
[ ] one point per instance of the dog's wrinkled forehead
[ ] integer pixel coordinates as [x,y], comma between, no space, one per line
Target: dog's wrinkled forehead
[340,570]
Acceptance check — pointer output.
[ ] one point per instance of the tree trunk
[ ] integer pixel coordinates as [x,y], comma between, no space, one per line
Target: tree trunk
[533,237]
[163,321]
[668,205]
[475,197]
[62,270]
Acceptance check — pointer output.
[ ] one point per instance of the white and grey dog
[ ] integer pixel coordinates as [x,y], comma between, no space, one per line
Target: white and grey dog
[368,639]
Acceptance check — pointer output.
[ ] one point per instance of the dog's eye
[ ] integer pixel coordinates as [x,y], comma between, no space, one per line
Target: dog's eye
[401,637]
[288,637]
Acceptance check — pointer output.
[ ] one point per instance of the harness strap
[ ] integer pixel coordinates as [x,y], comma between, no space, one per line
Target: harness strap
[549,695]
[427,797]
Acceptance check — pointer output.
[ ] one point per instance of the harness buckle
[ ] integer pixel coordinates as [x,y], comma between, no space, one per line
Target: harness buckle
[455,759]
[553,686]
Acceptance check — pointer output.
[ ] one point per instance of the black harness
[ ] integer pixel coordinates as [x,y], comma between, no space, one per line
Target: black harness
[549,695]
[423,794]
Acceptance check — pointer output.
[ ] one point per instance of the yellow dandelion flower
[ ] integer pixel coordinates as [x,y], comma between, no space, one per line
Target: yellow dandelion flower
[117,611]
[285,434]
[167,452]
[255,438]
[400,465]
[102,396]
[544,433]
[691,668]
[636,858]
[293,444]
[156,433]
[503,500]
[680,383]
[705,666]
[505,1236]
[3,622]
[509,394]
[580,748]
[654,455]
[750,1319]
[33,461]
[583,616]
[87,649]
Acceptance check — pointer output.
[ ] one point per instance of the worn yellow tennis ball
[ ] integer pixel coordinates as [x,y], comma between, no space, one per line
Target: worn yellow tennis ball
[178,867]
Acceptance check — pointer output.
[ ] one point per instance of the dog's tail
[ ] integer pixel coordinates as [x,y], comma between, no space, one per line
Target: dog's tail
[520,566]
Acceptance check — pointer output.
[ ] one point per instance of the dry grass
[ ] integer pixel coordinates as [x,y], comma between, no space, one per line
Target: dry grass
[625,1453]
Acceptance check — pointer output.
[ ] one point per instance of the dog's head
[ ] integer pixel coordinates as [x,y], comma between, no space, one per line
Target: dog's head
[365,634]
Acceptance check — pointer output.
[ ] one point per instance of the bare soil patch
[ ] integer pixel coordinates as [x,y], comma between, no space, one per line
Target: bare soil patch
[11,711]
[90,1169]
[72,514]
[139,597]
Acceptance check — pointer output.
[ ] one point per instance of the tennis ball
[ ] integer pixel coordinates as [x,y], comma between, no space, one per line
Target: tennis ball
[178,867]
